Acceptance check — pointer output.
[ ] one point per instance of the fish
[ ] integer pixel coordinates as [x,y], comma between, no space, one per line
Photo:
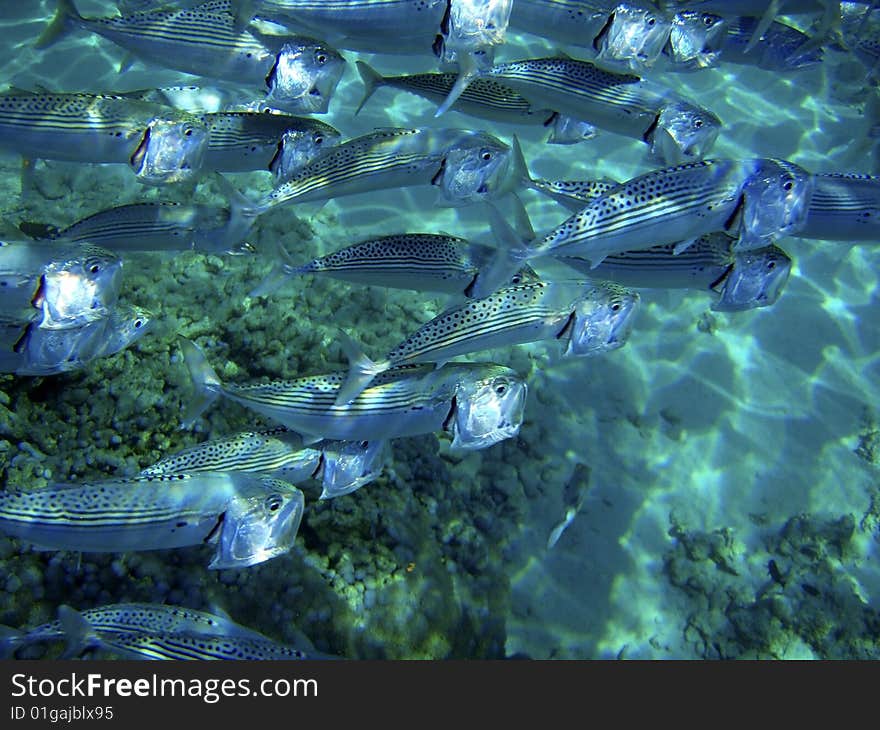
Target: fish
[633,37]
[696,40]
[775,202]
[567,130]
[679,204]
[622,103]
[161,145]
[182,645]
[466,167]
[479,404]
[425,262]
[778,48]
[62,285]
[588,317]
[468,35]
[843,207]
[42,351]
[243,141]
[250,518]
[121,618]
[370,26]
[161,226]
[736,281]
[342,466]
[298,73]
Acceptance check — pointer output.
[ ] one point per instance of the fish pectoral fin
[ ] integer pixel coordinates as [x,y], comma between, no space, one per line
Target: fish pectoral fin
[468,71]
[763,24]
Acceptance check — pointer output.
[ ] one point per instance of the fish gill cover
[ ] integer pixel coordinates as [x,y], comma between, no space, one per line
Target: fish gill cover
[710,489]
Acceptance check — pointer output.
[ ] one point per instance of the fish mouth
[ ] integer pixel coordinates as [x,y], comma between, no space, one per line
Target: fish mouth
[140,154]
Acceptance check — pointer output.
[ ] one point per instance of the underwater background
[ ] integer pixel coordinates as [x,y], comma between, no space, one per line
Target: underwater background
[708,446]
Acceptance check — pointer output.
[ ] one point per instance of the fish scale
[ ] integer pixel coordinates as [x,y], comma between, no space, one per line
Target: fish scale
[201,647]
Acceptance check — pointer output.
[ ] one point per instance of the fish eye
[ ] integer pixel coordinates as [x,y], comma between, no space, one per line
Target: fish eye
[321,58]
[485,155]
[319,138]
[698,123]
[771,265]
[615,307]
[787,185]
[651,21]
[273,503]
[138,323]
[364,444]
[708,20]
[500,389]
[188,132]
[94,268]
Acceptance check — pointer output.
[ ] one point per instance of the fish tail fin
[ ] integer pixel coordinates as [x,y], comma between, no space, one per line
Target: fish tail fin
[65,20]
[205,381]
[371,79]
[512,246]
[10,641]
[467,73]
[243,214]
[280,273]
[361,370]
[78,632]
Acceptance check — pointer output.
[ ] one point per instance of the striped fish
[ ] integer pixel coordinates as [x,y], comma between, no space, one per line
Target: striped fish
[844,207]
[478,403]
[752,279]
[343,466]
[779,48]
[122,618]
[42,351]
[243,141]
[182,645]
[161,226]
[251,518]
[466,166]
[752,198]
[620,103]
[589,317]
[370,26]
[426,262]
[160,144]
[62,285]
[298,73]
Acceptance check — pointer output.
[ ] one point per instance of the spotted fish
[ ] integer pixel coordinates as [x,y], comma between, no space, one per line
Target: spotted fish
[588,317]
[478,403]
[251,518]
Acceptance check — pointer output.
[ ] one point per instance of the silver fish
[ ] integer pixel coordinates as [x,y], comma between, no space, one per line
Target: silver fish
[189,646]
[484,98]
[567,130]
[779,48]
[372,26]
[844,207]
[120,618]
[483,167]
[161,226]
[468,35]
[775,202]
[427,262]
[633,37]
[251,518]
[478,403]
[160,144]
[342,466]
[242,141]
[743,281]
[64,285]
[299,74]
[696,40]
[678,204]
[621,103]
[589,317]
[42,351]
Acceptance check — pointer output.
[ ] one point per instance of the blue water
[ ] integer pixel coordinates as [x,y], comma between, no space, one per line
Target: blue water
[716,443]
